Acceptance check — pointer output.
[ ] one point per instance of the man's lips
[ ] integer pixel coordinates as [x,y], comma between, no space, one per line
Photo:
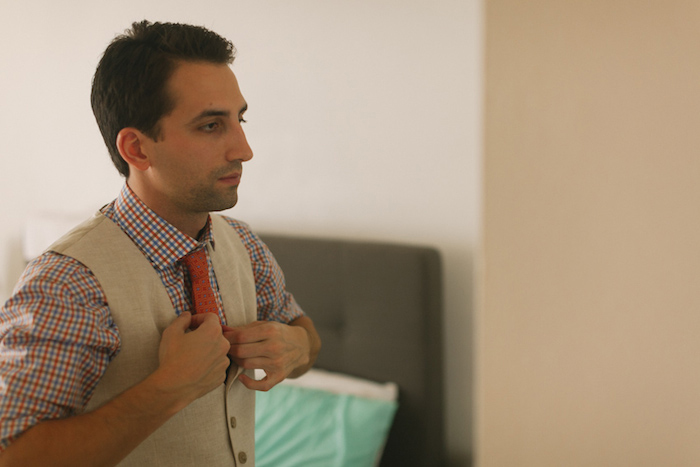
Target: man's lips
[232,179]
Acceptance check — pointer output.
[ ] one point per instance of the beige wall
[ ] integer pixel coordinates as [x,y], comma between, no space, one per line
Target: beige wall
[589,324]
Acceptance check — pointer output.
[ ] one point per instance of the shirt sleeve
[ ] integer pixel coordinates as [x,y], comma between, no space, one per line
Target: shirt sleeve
[56,339]
[274,302]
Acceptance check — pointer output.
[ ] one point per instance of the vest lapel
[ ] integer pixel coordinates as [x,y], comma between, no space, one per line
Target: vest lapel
[236,284]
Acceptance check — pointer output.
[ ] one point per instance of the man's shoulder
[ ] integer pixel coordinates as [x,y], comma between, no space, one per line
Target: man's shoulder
[56,267]
[78,232]
[55,273]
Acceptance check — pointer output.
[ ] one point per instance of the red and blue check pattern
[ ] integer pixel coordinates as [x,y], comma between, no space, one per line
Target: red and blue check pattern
[56,332]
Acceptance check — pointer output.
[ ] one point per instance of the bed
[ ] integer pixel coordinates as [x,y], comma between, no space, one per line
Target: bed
[378,309]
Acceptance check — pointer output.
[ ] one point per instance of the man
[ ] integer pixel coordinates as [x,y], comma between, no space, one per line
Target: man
[103,356]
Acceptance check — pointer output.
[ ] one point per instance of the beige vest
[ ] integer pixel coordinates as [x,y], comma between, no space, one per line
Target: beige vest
[219,428]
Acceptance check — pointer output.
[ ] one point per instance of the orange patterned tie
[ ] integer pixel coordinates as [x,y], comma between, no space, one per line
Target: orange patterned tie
[203,299]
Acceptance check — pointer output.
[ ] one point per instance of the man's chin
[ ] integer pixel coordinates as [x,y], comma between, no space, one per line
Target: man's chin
[224,204]
[213,200]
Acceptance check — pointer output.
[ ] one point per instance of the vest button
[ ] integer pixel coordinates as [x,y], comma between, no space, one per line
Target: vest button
[242,457]
[233,422]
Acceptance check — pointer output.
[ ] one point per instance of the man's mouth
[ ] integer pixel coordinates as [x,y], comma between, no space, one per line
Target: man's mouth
[231,179]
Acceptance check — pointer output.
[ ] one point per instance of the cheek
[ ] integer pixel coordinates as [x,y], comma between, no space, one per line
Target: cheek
[187,159]
[176,155]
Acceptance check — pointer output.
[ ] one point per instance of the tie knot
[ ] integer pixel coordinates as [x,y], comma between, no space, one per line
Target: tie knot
[196,263]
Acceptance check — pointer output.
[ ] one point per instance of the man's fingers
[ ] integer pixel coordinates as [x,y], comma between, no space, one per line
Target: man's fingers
[251,333]
[200,318]
[257,363]
[265,384]
[182,322]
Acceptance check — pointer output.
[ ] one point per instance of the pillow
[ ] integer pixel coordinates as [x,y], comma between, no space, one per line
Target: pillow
[323,419]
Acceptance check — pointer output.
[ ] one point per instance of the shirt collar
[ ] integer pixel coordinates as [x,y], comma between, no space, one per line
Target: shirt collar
[161,242]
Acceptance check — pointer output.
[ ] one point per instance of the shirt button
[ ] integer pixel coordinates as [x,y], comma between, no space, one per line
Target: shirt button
[233,422]
[242,457]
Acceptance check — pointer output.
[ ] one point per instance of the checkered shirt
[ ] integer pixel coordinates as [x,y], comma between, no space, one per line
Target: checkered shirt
[56,331]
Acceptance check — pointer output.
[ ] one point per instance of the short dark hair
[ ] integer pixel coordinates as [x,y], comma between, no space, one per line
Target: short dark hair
[129,88]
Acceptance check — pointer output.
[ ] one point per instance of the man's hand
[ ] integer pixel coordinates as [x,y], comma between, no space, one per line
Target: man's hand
[281,350]
[193,363]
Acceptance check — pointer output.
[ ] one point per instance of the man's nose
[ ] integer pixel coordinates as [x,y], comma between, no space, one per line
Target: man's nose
[239,149]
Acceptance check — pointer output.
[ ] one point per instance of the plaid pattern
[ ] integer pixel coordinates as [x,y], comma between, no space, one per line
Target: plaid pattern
[56,332]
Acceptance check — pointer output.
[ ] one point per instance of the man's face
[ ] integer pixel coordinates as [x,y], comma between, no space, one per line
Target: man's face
[196,162]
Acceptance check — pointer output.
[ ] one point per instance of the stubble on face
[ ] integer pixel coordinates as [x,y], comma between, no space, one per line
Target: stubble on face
[213,195]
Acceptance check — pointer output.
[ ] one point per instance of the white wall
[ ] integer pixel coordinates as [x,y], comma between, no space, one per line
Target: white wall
[364,118]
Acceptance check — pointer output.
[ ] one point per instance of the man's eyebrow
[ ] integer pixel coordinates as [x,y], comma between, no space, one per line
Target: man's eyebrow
[217,113]
[210,113]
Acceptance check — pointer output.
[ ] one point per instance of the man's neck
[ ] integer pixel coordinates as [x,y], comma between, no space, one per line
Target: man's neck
[189,223]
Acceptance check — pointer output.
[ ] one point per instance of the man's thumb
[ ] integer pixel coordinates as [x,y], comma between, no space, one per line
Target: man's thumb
[183,321]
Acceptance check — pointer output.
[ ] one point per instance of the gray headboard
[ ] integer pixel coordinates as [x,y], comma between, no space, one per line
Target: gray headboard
[378,309]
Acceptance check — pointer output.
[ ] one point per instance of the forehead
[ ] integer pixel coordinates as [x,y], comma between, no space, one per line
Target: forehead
[198,86]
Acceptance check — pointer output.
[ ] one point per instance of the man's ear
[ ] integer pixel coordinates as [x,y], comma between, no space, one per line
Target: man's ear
[130,143]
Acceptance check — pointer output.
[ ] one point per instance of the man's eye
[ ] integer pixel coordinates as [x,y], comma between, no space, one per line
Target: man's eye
[242,120]
[210,126]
